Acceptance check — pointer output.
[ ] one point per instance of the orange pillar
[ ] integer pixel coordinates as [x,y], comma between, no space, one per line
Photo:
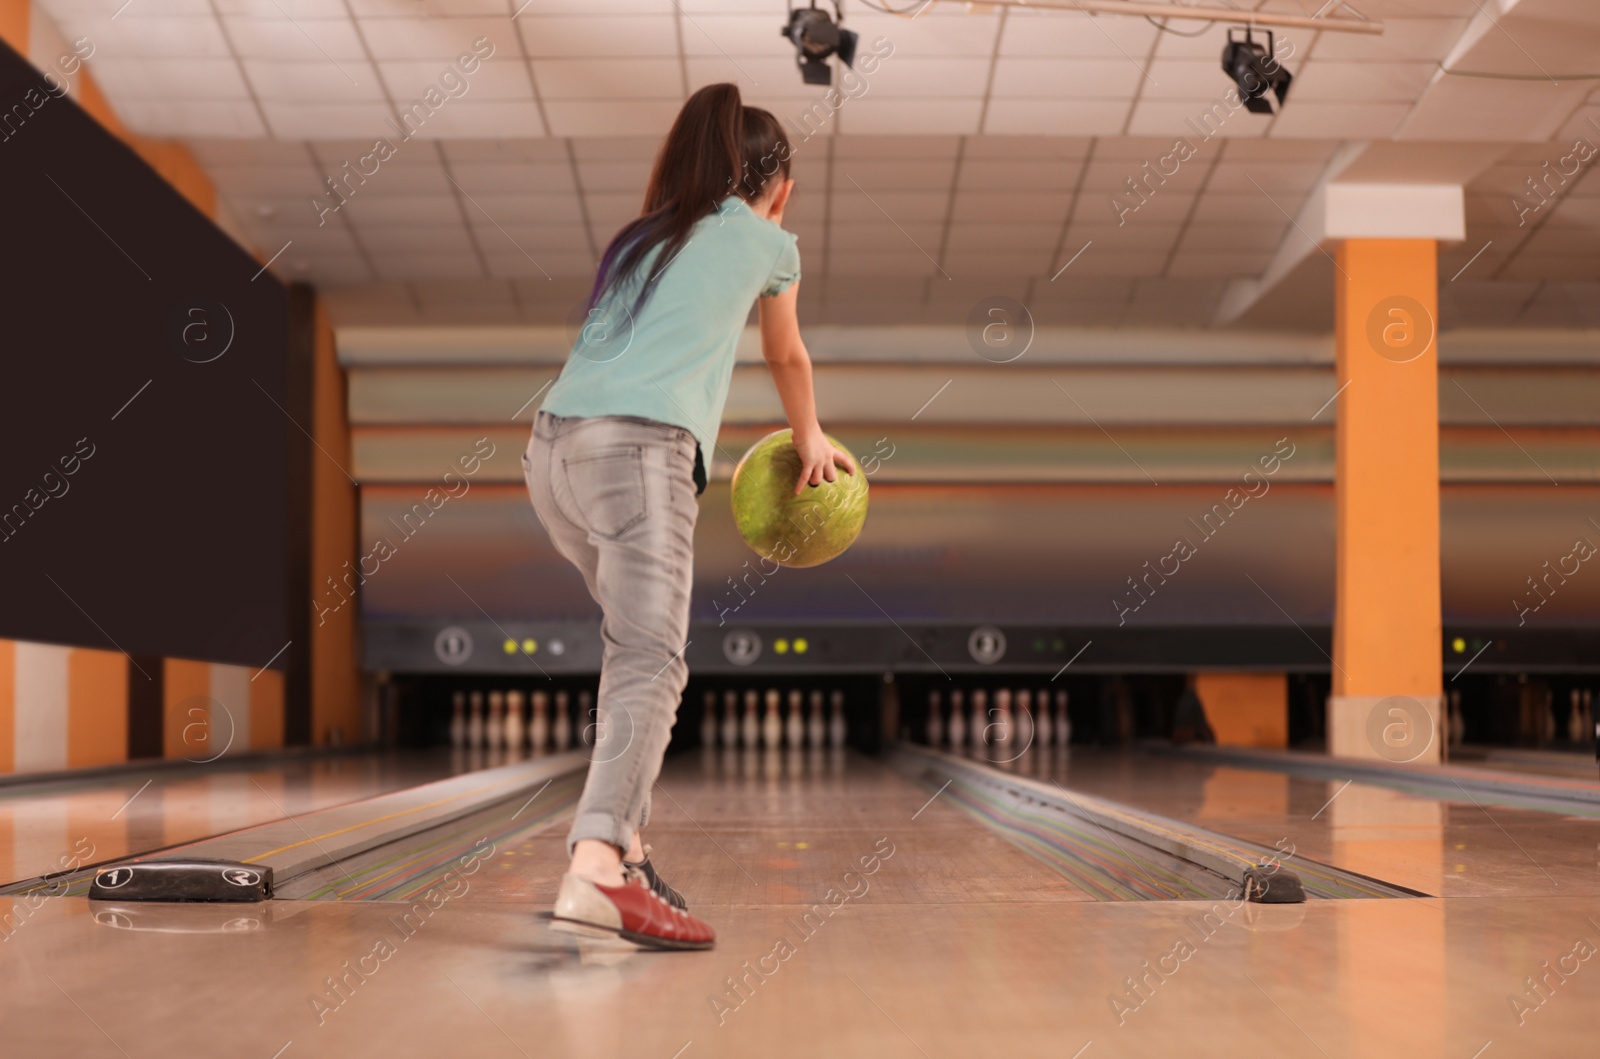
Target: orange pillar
[1387,678]
[15,22]
[336,713]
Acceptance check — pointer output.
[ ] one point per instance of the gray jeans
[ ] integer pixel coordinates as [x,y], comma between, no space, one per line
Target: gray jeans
[617,496]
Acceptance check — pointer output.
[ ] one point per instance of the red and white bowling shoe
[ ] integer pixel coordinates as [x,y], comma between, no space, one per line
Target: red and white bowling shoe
[631,911]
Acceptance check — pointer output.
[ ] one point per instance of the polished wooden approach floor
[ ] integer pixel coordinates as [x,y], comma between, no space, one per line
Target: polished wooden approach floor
[860,916]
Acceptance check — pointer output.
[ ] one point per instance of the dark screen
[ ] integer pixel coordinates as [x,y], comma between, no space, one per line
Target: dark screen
[144,478]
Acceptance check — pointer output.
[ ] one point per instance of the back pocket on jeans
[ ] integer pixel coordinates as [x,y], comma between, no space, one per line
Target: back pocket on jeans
[608,488]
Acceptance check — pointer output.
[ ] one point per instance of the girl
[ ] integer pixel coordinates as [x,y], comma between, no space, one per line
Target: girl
[618,458]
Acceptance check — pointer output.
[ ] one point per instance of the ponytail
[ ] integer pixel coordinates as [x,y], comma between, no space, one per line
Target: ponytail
[717,147]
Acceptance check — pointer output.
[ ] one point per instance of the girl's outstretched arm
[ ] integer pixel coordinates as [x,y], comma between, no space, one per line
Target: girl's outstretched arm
[790,364]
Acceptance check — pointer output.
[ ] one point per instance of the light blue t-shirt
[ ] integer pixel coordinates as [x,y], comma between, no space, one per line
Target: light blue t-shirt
[672,361]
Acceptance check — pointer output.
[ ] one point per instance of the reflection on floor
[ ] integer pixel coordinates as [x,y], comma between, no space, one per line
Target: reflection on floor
[49,827]
[1454,849]
[858,915]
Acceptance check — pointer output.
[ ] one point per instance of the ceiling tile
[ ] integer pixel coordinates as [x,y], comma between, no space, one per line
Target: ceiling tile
[1092,226]
[1403,39]
[157,37]
[1000,207]
[1017,236]
[1218,263]
[1020,175]
[872,115]
[923,78]
[631,117]
[489,117]
[1343,120]
[314,81]
[493,80]
[854,148]
[883,236]
[183,118]
[1054,79]
[943,30]
[303,121]
[1063,117]
[422,266]
[1070,35]
[442,39]
[597,79]
[903,206]
[507,262]
[871,178]
[280,40]
[186,79]
[1327,81]
[1234,237]
[376,211]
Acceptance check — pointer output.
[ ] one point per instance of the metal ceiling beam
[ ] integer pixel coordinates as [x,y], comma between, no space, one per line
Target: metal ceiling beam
[1195,13]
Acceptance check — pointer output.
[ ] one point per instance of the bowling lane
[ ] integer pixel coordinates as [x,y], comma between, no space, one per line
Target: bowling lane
[734,828]
[53,825]
[858,914]
[1461,847]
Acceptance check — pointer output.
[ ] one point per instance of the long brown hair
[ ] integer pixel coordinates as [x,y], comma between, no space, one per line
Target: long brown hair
[717,147]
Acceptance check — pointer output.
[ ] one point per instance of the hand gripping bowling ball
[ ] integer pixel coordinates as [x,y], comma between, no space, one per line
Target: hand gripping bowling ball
[798,531]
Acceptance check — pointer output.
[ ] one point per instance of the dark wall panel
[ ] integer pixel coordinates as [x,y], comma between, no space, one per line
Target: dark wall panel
[144,477]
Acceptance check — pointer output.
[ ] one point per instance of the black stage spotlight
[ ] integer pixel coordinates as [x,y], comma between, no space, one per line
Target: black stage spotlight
[817,36]
[1255,69]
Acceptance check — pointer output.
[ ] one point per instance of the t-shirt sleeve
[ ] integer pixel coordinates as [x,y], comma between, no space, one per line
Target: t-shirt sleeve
[785,270]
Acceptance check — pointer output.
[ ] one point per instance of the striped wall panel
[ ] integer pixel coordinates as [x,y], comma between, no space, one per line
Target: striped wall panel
[72,707]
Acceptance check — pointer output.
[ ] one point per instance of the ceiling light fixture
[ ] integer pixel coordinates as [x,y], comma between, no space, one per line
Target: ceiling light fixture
[816,36]
[1256,70]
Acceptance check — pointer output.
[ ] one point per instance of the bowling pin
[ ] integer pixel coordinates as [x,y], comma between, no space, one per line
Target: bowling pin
[935,729]
[1576,728]
[475,720]
[1063,720]
[1457,720]
[1043,730]
[1547,728]
[794,732]
[750,731]
[514,727]
[1594,722]
[771,721]
[1001,719]
[816,727]
[958,720]
[496,730]
[708,719]
[561,723]
[539,723]
[978,720]
[730,718]
[588,720]
[836,723]
[458,720]
[1023,719]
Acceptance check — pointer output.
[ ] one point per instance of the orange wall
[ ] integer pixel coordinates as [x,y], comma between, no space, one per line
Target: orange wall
[14,22]
[266,711]
[8,706]
[335,679]
[97,708]
[186,681]
[1246,709]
